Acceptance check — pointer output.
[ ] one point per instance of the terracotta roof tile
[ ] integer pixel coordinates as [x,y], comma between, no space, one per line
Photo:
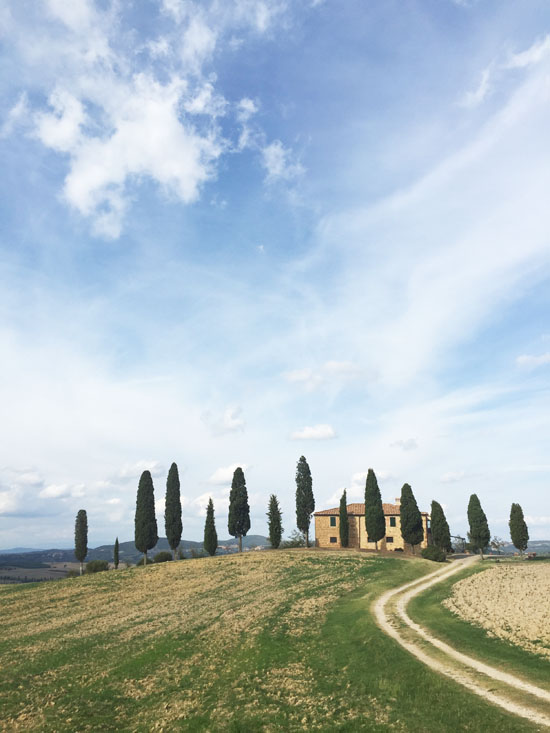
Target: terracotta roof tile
[359,509]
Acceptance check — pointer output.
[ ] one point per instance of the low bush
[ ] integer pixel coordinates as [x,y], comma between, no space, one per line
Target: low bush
[434,553]
[163,556]
[97,566]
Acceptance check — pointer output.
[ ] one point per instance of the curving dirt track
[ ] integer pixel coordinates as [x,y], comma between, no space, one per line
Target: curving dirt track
[499,688]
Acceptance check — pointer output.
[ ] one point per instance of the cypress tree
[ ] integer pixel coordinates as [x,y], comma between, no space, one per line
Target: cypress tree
[81,537]
[518,529]
[441,535]
[411,519]
[305,502]
[210,535]
[274,522]
[172,511]
[146,536]
[375,522]
[479,534]
[344,521]
[115,554]
[238,521]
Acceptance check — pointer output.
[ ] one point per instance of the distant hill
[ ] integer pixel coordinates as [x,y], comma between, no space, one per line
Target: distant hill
[541,547]
[19,550]
[25,558]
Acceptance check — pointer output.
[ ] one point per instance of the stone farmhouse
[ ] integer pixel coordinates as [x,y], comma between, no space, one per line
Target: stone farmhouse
[327,529]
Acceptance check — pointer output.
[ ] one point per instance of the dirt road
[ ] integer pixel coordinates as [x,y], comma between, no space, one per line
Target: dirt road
[499,688]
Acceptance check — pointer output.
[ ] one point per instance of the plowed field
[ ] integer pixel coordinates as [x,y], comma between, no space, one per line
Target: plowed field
[510,601]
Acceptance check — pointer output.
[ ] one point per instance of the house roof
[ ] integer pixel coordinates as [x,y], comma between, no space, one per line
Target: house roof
[359,509]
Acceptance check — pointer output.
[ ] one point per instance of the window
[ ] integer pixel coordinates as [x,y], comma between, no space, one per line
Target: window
[392,522]
[333,522]
[389,539]
[334,539]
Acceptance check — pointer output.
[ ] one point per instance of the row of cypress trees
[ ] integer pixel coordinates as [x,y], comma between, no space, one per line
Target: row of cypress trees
[411,521]
[146,532]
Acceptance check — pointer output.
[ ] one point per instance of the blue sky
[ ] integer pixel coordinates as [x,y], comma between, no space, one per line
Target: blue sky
[237,233]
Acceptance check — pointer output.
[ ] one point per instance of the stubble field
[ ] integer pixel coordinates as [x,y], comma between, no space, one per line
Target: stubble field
[264,642]
[510,601]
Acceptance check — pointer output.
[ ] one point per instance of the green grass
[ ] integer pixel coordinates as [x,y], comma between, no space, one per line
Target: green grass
[331,669]
[427,609]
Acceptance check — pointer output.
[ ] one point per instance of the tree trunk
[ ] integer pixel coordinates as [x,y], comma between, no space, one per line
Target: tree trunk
[240,543]
[81,566]
[376,545]
[414,553]
[174,554]
[307,537]
[481,552]
[144,558]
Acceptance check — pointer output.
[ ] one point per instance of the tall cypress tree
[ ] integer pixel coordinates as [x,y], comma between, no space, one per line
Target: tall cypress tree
[375,522]
[305,502]
[518,529]
[115,554]
[441,535]
[411,519]
[344,521]
[81,537]
[172,511]
[274,522]
[238,521]
[479,534]
[210,535]
[146,536]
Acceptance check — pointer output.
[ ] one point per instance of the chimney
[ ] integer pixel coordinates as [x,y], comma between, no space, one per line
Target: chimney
[398,500]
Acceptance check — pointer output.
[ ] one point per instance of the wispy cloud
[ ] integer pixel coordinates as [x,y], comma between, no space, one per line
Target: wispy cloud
[315,432]
[532,361]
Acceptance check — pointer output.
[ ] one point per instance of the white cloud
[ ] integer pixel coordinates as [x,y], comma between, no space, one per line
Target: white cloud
[134,470]
[106,116]
[17,115]
[406,444]
[329,373]
[55,491]
[532,361]
[475,97]
[314,432]
[246,108]
[277,160]
[224,475]
[452,477]
[537,520]
[536,53]
[229,421]
[8,502]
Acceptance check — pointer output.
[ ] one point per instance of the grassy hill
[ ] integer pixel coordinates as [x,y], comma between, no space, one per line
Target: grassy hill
[267,641]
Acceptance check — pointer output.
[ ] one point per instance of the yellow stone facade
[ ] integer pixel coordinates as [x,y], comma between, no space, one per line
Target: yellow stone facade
[327,529]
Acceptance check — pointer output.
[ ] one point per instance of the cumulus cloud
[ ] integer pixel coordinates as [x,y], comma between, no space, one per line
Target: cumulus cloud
[314,432]
[279,164]
[106,112]
[532,361]
[224,475]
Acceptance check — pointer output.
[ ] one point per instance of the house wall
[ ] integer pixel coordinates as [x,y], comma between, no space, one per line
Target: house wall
[358,533]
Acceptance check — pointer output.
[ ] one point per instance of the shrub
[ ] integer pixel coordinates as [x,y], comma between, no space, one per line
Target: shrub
[434,553]
[97,566]
[163,556]
[296,539]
